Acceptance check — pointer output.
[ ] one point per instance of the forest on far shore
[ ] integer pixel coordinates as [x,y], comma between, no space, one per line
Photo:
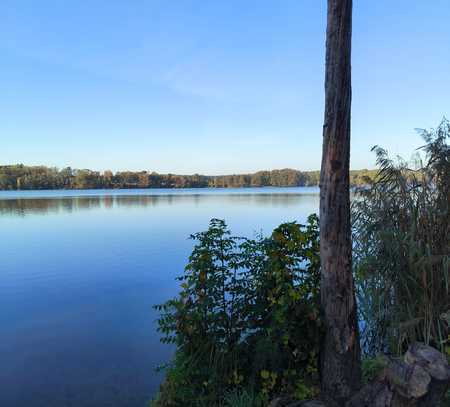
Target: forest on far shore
[23,177]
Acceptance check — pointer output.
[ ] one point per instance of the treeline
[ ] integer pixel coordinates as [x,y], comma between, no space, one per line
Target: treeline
[22,177]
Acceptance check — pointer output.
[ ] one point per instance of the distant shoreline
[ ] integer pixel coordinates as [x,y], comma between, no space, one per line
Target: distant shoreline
[22,177]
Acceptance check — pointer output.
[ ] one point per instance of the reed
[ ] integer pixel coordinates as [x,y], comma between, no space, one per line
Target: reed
[401,248]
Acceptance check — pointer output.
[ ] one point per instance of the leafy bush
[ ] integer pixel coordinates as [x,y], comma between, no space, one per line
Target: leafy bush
[401,248]
[246,323]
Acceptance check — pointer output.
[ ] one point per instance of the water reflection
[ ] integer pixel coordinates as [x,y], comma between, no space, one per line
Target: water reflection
[48,206]
[80,274]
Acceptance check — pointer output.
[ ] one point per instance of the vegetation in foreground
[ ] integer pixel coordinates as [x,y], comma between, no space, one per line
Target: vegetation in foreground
[246,324]
[402,249]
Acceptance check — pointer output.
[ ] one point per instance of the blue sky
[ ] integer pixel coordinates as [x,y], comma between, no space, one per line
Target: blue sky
[211,86]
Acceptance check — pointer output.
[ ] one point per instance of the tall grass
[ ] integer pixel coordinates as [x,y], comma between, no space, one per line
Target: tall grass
[401,235]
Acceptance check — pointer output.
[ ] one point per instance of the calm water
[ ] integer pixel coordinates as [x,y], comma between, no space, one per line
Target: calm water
[80,271]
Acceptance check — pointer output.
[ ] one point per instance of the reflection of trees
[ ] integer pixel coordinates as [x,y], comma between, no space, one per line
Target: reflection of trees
[25,206]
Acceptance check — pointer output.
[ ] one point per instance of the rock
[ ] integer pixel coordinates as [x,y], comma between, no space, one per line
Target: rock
[376,394]
[430,359]
[281,401]
[408,380]
[419,380]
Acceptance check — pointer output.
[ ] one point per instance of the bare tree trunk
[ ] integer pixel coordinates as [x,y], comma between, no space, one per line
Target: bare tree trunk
[340,359]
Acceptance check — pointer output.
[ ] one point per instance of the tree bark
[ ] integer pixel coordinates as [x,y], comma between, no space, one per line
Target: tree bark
[340,356]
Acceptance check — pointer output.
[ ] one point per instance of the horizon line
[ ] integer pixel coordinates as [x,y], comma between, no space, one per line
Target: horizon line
[58,168]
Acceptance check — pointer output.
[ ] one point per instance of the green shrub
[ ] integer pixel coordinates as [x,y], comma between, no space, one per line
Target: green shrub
[246,322]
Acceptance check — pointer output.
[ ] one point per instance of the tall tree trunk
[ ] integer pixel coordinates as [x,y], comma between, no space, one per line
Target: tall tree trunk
[340,359]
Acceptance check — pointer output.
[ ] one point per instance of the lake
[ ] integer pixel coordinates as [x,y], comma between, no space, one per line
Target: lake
[81,271]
